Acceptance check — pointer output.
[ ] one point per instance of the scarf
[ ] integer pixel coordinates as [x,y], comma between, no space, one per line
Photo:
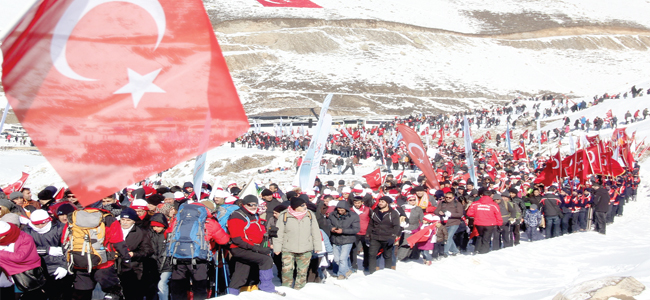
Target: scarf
[360,210]
[407,209]
[296,214]
[43,230]
[10,236]
[125,232]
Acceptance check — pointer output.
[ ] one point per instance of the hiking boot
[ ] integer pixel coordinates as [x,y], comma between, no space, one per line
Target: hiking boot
[281,294]
[348,273]
[341,277]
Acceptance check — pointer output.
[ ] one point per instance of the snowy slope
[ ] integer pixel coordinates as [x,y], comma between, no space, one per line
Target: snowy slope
[452,15]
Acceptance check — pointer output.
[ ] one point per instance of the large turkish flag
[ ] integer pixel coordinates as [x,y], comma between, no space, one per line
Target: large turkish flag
[112,91]
[418,154]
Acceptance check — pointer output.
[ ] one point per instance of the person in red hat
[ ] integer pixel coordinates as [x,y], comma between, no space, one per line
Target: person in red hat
[17,255]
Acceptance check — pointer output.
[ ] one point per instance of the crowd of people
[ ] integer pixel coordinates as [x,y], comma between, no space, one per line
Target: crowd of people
[180,242]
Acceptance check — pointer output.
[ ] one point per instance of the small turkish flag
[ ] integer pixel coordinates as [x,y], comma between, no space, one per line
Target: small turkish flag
[16,186]
[114,91]
[373,179]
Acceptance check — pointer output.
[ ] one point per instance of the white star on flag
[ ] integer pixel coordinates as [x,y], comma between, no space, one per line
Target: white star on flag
[140,84]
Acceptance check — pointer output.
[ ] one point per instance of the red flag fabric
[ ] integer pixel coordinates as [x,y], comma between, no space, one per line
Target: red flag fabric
[576,165]
[544,137]
[457,132]
[143,89]
[493,160]
[289,3]
[551,171]
[16,186]
[399,177]
[417,153]
[609,113]
[488,135]
[59,194]
[422,235]
[525,134]
[356,134]
[479,140]
[518,153]
[593,140]
[619,133]
[373,179]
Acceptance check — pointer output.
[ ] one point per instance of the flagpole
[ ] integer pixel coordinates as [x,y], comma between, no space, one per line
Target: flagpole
[4,116]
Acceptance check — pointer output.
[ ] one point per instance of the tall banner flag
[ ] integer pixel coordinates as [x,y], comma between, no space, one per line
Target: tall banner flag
[419,155]
[539,135]
[508,134]
[468,148]
[397,139]
[197,178]
[72,66]
[321,141]
[305,170]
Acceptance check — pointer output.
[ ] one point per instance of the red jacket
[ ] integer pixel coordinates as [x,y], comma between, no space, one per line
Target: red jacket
[364,219]
[245,237]
[24,257]
[485,212]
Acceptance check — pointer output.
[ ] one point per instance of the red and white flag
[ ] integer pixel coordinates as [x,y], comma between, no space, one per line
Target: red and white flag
[114,91]
[374,179]
[16,186]
[399,177]
[418,154]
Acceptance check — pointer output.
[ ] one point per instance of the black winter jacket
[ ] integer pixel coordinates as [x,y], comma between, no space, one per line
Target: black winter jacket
[384,228]
[159,245]
[601,200]
[139,243]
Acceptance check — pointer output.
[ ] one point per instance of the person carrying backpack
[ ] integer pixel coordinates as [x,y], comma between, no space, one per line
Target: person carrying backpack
[193,231]
[94,262]
[249,248]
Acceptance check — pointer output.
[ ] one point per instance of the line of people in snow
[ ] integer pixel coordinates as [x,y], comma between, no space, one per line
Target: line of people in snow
[164,243]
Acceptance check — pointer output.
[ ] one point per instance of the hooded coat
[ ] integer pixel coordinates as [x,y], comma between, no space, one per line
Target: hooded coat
[349,222]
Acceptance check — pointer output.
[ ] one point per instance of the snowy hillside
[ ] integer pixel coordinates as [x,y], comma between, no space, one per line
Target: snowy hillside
[385,57]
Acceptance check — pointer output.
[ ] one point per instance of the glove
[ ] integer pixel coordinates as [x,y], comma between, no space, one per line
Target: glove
[262,250]
[273,232]
[406,231]
[60,273]
[9,248]
[56,251]
[447,214]
[403,224]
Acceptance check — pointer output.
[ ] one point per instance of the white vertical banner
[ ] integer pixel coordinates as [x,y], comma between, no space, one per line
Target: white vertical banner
[199,169]
[572,145]
[4,116]
[469,155]
[308,162]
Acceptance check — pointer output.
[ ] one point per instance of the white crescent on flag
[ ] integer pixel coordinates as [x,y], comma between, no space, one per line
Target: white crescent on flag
[419,157]
[77,10]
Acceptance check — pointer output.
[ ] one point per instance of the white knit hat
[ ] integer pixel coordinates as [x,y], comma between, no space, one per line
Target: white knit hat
[40,216]
[4,227]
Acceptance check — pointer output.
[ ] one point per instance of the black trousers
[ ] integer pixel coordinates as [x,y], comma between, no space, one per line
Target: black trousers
[356,246]
[516,231]
[483,238]
[243,260]
[348,167]
[601,222]
[84,282]
[375,246]
[179,283]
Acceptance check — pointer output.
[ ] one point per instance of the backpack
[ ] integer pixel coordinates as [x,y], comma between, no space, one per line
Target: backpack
[223,214]
[187,240]
[84,239]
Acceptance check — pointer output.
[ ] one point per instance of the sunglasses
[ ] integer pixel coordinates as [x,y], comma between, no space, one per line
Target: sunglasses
[251,205]
[449,197]
[72,196]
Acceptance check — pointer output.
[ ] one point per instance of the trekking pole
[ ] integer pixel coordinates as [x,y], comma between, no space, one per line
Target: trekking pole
[216,276]
[226,269]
